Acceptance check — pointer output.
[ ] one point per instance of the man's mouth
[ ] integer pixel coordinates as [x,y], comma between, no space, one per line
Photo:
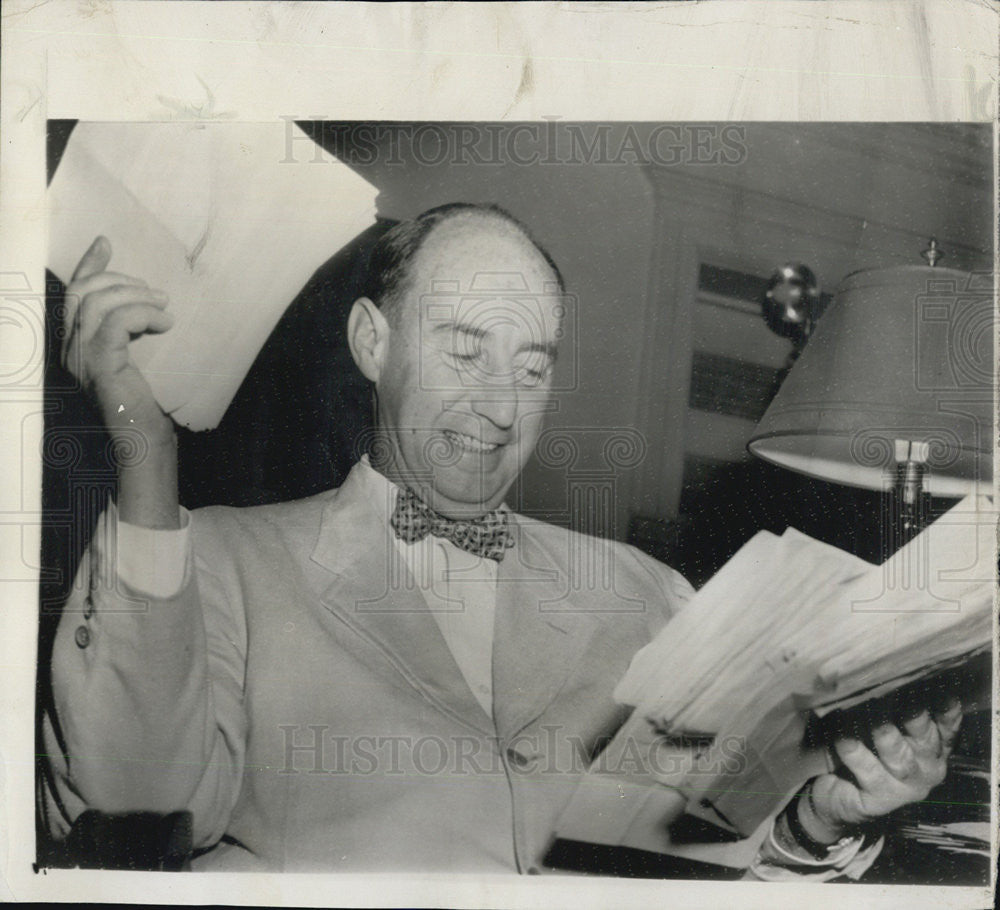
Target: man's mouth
[469,443]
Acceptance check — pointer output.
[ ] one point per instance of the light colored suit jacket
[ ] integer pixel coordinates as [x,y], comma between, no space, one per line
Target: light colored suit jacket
[298,697]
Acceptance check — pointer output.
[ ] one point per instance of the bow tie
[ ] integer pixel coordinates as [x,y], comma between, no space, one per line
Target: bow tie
[488,535]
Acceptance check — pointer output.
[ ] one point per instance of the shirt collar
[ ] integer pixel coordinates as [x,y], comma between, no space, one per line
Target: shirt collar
[382,492]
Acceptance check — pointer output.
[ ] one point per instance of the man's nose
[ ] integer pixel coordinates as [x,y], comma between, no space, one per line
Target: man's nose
[496,402]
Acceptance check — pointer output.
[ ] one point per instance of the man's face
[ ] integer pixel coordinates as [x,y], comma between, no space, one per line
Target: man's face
[467,376]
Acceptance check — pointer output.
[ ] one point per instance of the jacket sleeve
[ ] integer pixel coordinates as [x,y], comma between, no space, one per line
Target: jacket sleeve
[674,590]
[147,695]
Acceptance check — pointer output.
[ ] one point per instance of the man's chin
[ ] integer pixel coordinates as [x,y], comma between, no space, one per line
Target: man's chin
[463,489]
[463,503]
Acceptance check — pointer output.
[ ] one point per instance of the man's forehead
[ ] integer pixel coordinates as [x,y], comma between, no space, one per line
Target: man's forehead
[529,316]
[482,255]
[486,282]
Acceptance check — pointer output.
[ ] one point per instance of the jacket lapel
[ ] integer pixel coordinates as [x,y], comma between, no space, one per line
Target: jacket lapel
[368,586]
[537,641]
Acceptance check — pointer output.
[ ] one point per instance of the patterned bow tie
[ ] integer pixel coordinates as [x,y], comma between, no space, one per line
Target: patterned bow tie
[488,535]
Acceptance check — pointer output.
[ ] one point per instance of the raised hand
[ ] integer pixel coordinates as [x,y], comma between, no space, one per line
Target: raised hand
[104,312]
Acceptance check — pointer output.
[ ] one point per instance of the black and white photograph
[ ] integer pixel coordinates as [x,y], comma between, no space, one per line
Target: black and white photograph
[607,500]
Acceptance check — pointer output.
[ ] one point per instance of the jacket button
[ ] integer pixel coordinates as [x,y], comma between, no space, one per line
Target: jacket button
[82,636]
[88,608]
[517,758]
[534,870]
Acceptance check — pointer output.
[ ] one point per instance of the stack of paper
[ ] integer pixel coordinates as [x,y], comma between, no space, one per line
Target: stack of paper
[220,216]
[790,629]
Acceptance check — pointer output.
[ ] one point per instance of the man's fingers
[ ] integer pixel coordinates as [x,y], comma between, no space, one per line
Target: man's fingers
[948,723]
[100,280]
[923,733]
[99,305]
[159,321]
[90,288]
[950,713]
[894,751]
[119,327]
[860,761]
[919,725]
[95,260]
[108,290]
[132,319]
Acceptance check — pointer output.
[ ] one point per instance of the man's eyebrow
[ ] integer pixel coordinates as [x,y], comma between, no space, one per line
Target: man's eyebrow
[473,331]
[549,348]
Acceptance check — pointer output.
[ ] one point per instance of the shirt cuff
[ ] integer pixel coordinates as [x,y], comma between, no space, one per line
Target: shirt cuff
[781,859]
[154,562]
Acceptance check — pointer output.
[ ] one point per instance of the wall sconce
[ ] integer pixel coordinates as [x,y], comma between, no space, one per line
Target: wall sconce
[790,305]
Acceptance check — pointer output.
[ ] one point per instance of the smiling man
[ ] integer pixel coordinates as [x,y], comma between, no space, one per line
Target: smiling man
[401,674]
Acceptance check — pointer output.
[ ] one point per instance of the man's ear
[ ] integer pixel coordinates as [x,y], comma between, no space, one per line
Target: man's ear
[368,336]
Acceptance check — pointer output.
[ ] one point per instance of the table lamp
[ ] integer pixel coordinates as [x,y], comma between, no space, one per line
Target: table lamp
[894,389]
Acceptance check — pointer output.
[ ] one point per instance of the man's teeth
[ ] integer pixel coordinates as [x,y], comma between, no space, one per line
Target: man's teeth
[468,442]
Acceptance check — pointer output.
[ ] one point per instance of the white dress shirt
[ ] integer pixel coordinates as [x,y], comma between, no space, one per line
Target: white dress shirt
[460,589]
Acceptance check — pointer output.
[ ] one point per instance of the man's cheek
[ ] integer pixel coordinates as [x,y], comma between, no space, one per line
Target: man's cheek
[529,428]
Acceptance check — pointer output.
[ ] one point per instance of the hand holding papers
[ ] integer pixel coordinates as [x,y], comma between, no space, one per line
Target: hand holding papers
[218,216]
[788,632]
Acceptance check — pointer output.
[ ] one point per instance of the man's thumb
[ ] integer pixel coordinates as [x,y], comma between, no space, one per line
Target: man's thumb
[95,260]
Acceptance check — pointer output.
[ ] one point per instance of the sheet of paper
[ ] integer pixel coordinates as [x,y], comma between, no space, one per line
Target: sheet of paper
[210,214]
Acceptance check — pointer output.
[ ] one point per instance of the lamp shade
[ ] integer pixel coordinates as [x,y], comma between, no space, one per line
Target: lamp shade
[900,366]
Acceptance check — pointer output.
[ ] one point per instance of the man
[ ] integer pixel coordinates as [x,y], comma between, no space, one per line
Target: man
[400,674]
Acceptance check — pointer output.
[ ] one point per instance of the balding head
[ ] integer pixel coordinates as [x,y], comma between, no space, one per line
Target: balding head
[394,257]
